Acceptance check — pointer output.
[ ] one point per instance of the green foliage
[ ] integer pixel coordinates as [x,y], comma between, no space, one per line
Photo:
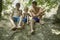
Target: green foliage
[5,4]
[49,3]
[29,3]
[0,8]
[0,5]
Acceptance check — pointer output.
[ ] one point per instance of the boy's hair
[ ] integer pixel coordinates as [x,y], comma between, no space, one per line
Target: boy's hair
[25,8]
[34,2]
[17,4]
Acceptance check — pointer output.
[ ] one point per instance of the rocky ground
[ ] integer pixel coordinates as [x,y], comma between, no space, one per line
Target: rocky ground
[47,31]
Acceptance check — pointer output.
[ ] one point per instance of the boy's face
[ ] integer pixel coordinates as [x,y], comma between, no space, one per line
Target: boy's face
[33,5]
[17,6]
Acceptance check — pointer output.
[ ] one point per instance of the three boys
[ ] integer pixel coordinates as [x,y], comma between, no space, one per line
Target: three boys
[35,14]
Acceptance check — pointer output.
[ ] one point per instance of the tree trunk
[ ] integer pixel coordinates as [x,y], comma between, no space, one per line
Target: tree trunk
[0,7]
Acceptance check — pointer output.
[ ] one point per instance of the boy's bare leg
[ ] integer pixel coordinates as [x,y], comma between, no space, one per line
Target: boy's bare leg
[32,25]
[41,21]
[23,25]
[28,20]
[12,22]
[20,22]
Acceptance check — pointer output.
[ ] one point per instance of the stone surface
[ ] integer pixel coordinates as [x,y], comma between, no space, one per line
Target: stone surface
[42,32]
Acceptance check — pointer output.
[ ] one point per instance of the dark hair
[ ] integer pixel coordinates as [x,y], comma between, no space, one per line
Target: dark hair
[17,4]
[34,2]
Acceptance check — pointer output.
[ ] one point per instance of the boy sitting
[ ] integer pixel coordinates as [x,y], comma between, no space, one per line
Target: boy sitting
[36,15]
[15,17]
[25,17]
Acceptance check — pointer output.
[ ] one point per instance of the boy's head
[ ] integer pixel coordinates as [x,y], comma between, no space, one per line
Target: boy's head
[26,9]
[17,5]
[34,3]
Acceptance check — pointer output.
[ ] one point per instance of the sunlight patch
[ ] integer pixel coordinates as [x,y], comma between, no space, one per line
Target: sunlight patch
[55,32]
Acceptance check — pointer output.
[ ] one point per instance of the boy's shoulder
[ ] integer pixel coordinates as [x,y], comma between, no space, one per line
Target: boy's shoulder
[30,9]
[20,9]
[39,7]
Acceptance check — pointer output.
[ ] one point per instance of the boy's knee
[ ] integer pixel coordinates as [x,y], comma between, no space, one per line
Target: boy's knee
[31,18]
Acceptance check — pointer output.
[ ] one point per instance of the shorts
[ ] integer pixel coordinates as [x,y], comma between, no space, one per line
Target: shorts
[36,19]
[24,20]
[16,19]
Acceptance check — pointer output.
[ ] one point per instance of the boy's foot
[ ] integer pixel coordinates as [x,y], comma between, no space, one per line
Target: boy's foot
[32,32]
[14,28]
[20,28]
[23,26]
[42,22]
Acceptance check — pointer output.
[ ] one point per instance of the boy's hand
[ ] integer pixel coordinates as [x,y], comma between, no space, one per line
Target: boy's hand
[34,15]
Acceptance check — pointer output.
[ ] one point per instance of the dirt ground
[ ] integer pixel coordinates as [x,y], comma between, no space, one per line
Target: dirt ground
[47,31]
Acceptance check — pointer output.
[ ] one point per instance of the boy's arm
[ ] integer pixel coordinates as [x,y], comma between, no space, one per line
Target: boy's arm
[32,13]
[21,17]
[40,12]
[11,14]
[11,20]
[28,18]
[20,12]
